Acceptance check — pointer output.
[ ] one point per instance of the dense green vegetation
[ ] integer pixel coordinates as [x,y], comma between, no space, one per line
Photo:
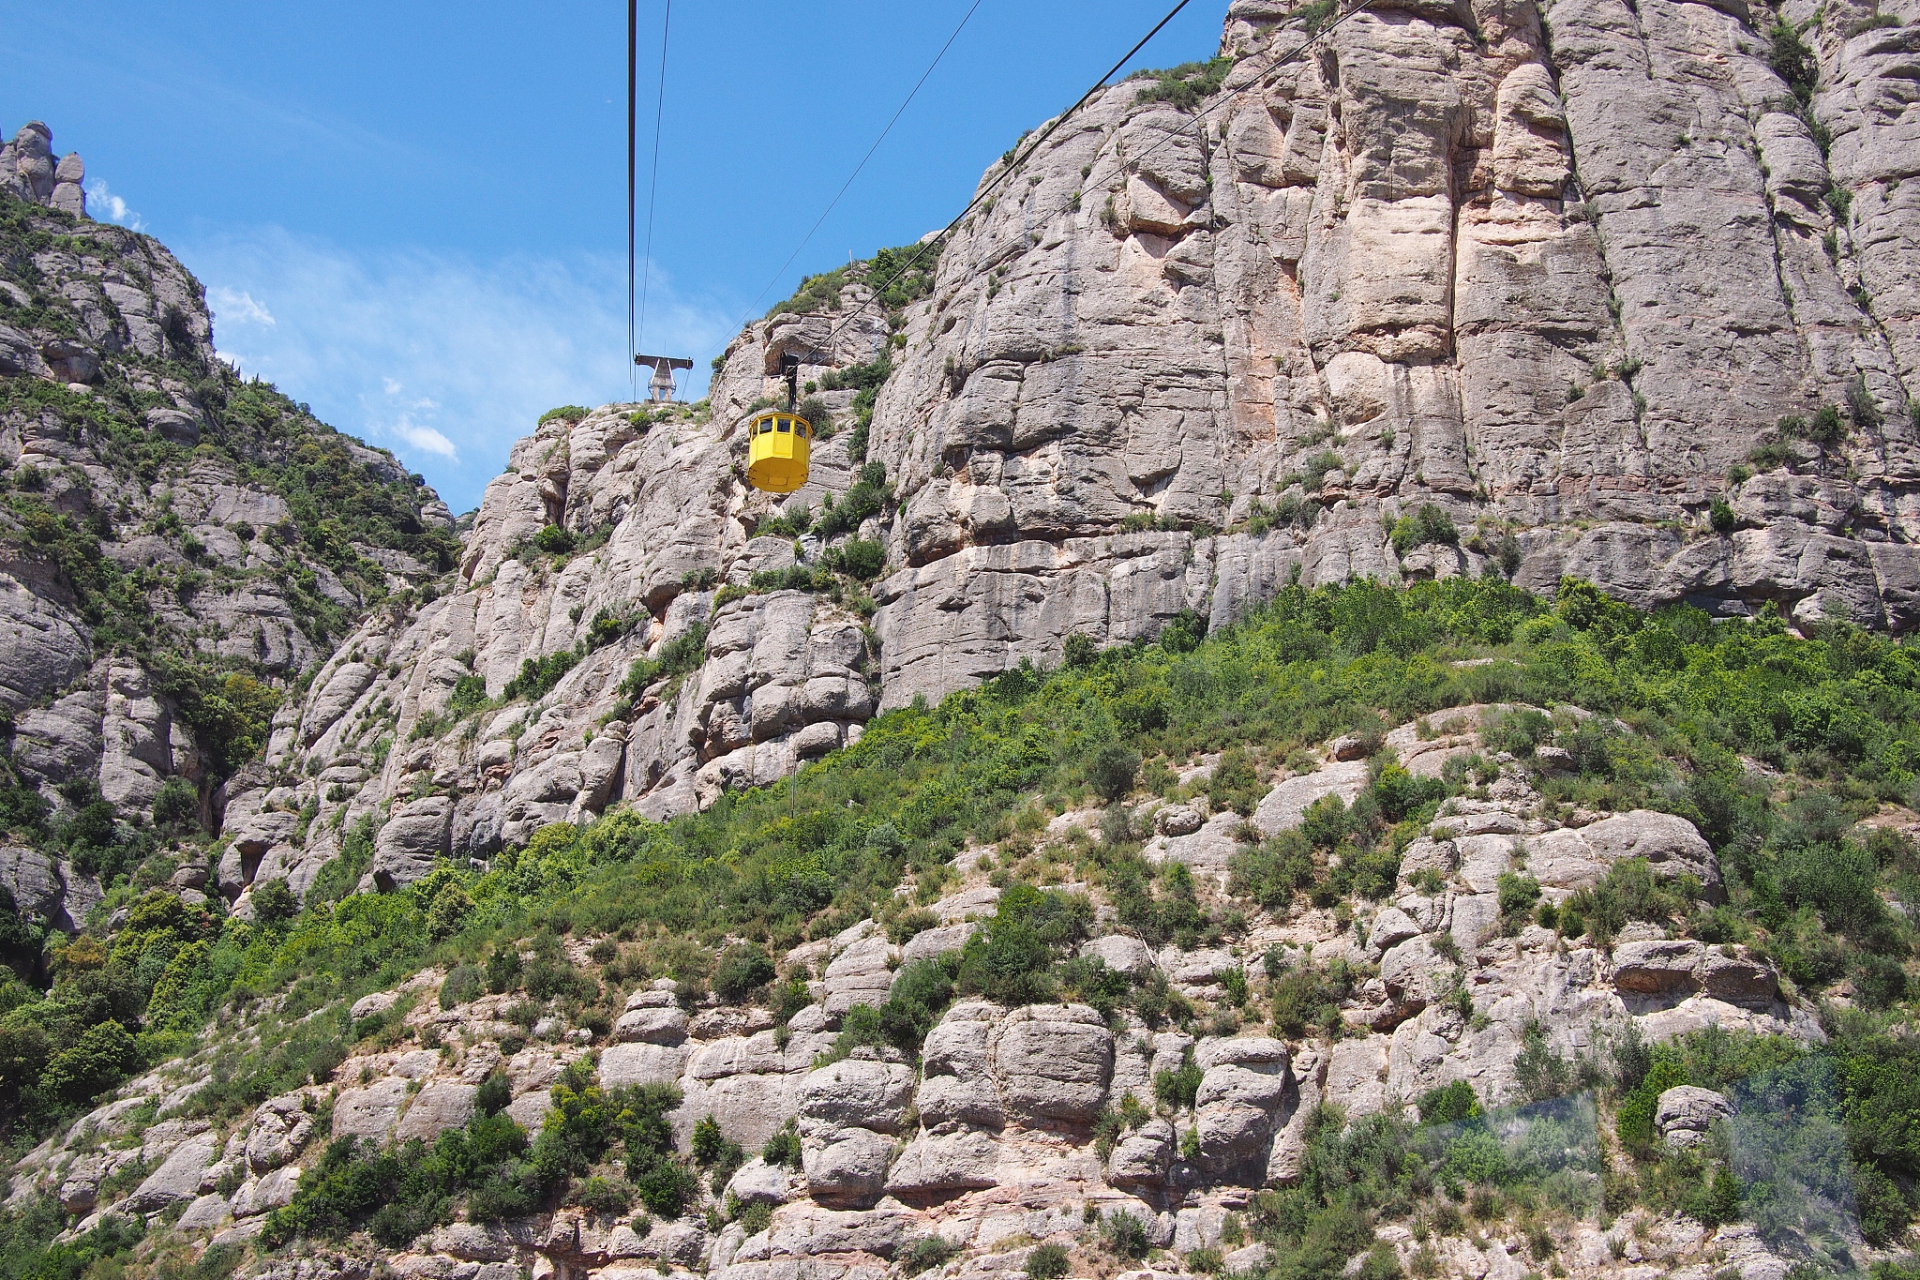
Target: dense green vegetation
[866,381]
[1685,699]
[489,1166]
[899,275]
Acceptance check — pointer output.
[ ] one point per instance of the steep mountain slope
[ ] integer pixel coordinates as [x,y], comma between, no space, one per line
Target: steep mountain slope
[1460,292]
[1558,272]
[1128,965]
[178,546]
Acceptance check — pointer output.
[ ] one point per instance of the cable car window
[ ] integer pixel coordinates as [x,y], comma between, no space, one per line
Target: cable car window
[766,426]
[784,426]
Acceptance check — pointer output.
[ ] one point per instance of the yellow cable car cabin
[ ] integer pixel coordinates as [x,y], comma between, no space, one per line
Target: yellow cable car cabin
[779,447]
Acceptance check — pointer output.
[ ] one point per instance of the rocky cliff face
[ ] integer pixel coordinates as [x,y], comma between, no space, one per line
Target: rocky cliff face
[1572,289]
[177,545]
[1556,270]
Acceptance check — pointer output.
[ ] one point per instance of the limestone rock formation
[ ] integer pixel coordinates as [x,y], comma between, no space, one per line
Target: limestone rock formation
[1440,298]
[164,573]
[30,171]
[1572,287]
[1684,1113]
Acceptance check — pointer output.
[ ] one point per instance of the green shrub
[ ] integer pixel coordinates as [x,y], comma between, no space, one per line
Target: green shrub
[862,561]
[1826,428]
[273,903]
[1634,1122]
[503,970]
[1179,1087]
[554,540]
[1317,468]
[1047,1262]
[538,676]
[708,1141]
[604,1195]
[742,969]
[1124,1234]
[677,657]
[1538,1070]
[1303,998]
[1186,85]
[1205,1262]
[1627,892]
[1792,60]
[1113,770]
[177,804]
[1382,1263]
[665,1187]
[927,1253]
[1273,871]
[1234,784]
[399,1192]
[816,293]
[1517,893]
[1427,524]
[783,1148]
[868,497]
[1183,632]
[102,1057]
[1010,960]
[1448,1104]
[1314,14]
[495,1092]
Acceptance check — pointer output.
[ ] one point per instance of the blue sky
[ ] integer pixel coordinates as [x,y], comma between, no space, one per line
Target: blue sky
[413,216]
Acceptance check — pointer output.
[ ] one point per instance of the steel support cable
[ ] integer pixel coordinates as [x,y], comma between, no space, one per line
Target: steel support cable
[1013,165]
[653,182]
[1292,55]
[633,89]
[754,306]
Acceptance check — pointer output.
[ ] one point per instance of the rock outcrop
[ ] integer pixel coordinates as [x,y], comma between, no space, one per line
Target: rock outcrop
[30,171]
[164,571]
[1684,1113]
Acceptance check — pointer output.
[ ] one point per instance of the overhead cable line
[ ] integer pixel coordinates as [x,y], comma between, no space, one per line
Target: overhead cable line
[633,43]
[781,273]
[653,182]
[1015,163]
[1292,55]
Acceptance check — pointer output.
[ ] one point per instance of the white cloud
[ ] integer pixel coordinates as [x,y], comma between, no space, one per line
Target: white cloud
[425,439]
[100,199]
[232,307]
[443,359]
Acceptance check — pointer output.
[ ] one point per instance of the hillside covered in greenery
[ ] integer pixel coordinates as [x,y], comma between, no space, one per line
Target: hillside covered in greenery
[1773,744]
